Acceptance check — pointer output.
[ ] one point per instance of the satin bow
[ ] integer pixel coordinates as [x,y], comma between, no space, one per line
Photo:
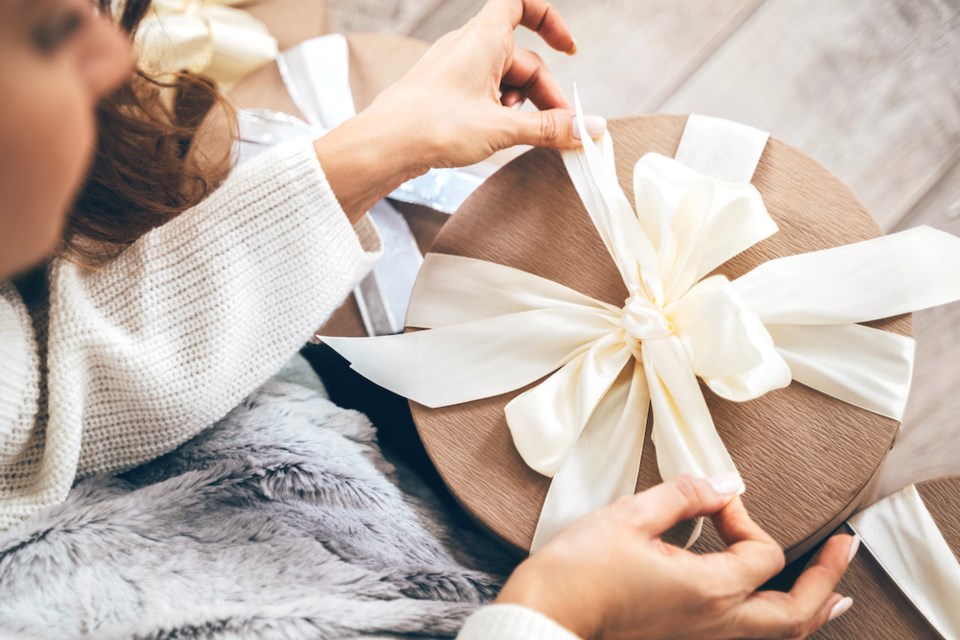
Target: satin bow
[203,36]
[495,329]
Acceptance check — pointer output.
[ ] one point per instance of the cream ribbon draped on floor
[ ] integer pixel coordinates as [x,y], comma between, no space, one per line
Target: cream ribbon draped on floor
[494,329]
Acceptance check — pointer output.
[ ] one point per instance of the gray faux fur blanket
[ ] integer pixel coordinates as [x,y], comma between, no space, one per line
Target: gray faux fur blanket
[282,521]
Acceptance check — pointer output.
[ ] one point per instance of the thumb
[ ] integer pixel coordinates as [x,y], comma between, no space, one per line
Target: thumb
[665,505]
[554,128]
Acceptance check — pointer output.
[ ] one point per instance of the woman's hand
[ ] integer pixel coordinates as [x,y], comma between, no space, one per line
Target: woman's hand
[610,576]
[455,107]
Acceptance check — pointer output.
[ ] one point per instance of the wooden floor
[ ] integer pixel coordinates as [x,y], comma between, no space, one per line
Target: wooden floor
[870,89]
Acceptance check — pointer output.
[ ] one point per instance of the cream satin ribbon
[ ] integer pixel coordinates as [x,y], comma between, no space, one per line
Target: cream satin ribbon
[495,329]
[903,537]
[203,36]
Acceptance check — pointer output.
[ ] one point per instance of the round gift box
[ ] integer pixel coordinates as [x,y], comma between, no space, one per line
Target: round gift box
[805,457]
[881,609]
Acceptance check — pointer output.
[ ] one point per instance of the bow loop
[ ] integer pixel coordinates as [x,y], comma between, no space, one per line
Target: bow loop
[546,421]
[695,222]
[727,344]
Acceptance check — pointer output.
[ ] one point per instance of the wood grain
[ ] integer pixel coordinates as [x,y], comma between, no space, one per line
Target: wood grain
[629,53]
[869,89]
[930,443]
[290,21]
[804,457]
[388,16]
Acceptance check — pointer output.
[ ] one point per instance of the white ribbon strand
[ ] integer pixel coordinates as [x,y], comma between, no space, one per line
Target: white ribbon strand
[494,329]
[903,537]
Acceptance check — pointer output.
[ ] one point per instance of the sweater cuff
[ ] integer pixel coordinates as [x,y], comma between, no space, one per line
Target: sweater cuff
[368,246]
[512,622]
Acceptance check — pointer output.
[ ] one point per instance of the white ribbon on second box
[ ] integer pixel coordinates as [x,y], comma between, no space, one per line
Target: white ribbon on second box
[203,36]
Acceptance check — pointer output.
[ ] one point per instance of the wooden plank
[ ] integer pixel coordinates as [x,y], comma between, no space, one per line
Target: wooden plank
[929,445]
[390,16]
[630,53]
[869,89]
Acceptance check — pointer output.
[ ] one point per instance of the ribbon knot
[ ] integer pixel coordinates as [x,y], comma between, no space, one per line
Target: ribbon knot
[643,320]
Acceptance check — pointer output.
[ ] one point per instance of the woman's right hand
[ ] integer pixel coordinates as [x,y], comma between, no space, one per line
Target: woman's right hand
[611,576]
[456,106]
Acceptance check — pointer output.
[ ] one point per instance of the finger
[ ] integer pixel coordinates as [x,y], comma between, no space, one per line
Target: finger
[512,98]
[809,604]
[552,128]
[667,504]
[835,606]
[756,554]
[536,15]
[816,584]
[527,72]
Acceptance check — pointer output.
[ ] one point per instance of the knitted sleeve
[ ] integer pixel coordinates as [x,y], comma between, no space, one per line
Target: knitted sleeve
[164,341]
[512,622]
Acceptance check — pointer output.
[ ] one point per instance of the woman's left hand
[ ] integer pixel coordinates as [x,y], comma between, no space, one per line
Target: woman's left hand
[456,106]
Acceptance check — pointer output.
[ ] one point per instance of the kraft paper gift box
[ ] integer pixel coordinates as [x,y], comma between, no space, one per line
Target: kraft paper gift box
[806,446]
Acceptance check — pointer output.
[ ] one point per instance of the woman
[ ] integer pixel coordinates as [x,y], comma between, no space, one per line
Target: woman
[108,363]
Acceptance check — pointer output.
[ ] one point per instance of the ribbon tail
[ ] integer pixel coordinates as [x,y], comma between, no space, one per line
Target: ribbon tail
[878,278]
[473,360]
[686,439]
[603,465]
[905,540]
[594,176]
[868,368]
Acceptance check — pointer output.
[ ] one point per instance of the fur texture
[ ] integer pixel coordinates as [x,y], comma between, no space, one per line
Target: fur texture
[281,522]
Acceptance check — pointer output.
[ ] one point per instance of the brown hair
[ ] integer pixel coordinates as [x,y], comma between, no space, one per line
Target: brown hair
[141,175]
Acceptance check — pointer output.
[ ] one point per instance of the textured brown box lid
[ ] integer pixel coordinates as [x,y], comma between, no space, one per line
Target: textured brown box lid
[805,457]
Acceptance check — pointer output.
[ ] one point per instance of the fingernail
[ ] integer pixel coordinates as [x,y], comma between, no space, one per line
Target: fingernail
[840,608]
[727,484]
[573,49]
[854,546]
[516,106]
[595,125]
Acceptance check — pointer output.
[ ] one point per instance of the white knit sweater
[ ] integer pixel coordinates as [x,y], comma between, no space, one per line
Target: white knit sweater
[125,363]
